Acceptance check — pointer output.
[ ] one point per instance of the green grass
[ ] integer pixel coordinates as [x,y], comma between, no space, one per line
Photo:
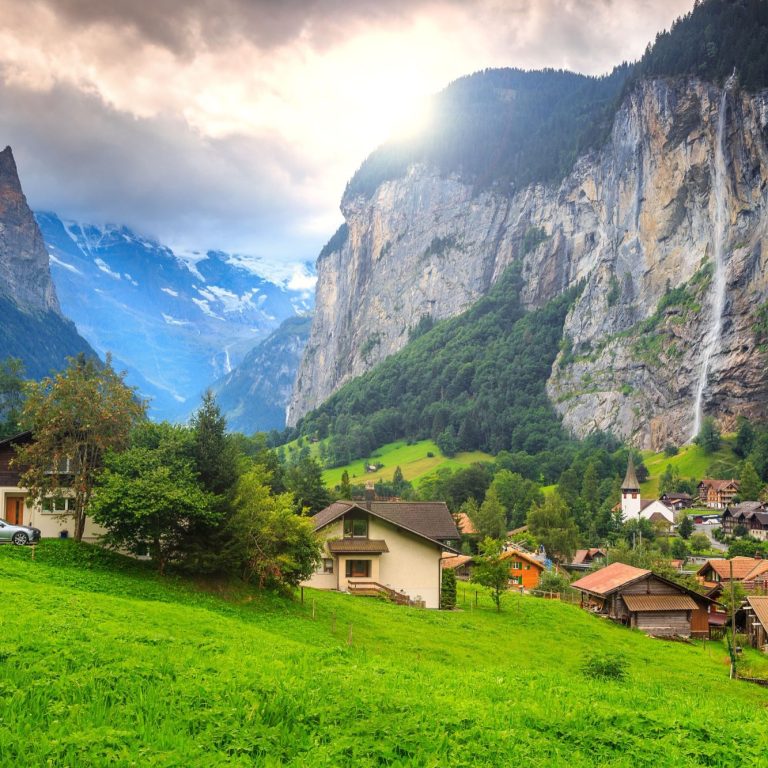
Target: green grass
[691,461]
[411,458]
[101,667]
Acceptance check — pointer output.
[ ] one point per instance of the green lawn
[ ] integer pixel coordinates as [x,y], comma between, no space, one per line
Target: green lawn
[691,461]
[411,458]
[122,669]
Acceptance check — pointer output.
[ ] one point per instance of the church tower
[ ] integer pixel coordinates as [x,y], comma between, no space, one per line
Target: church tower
[630,493]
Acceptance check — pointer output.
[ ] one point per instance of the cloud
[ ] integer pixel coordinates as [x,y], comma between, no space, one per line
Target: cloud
[234,124]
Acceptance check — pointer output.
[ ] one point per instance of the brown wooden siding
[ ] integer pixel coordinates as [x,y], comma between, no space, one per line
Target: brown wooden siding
[663,622]
[700,622]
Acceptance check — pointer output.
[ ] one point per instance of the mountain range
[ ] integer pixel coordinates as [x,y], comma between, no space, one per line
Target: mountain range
[175,324]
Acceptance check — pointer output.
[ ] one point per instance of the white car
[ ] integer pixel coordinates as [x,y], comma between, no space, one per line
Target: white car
[18,534]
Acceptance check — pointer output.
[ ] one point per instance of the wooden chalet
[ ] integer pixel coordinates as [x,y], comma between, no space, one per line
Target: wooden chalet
[646,601]
[757,622]
[524,568]
[718,570]
[584,559]
[676,500]
[750,515]
[461,565]
[717,494]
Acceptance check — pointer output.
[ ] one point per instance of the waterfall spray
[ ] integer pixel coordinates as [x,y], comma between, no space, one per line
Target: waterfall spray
[719,282]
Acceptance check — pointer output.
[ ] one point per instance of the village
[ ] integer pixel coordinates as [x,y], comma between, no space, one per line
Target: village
[407,551]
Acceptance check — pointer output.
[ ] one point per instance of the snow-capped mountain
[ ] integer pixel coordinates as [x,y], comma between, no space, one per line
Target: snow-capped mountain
[175,323]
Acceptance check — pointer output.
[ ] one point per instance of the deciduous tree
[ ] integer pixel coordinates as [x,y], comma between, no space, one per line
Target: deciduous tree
[491,570]
[554,526]
[75,417]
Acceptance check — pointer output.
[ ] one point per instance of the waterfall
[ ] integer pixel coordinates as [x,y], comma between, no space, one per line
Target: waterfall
[719,182]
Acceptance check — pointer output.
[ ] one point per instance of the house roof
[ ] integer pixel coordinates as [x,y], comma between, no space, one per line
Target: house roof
[465,524]
[677,495]
[516,553]
[630,479]
[585,555]
[642,603]
[22,437]
[609,579]
[760,606]
[744,508]
[718,485]
[741,567]
[761,569]
[455,561]
[351,546]
[429,519]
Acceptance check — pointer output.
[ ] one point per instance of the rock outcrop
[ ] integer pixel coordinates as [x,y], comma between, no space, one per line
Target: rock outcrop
[633,222]
[26,275]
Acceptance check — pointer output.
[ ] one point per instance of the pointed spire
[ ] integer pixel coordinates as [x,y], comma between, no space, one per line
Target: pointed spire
[630,479]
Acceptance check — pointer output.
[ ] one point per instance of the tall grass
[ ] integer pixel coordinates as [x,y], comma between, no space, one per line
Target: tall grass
[101,667]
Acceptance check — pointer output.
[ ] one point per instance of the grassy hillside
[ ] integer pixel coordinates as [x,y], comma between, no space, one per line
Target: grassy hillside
[100,668]
[412,458]
[690,461]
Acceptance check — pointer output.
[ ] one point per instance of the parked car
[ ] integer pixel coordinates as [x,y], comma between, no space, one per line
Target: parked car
[18,534]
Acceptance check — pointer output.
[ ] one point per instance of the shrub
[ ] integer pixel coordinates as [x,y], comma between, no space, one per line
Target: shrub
[605,666]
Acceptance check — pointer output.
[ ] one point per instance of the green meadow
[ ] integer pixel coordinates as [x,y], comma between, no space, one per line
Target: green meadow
[690,461]
[412,458]
[104,664]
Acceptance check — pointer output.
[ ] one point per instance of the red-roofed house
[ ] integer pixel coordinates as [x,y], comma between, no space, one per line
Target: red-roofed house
[385,548]
[718,569]
[643,600]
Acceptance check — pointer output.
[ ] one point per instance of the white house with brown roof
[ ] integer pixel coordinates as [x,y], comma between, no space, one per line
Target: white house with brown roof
[385,547]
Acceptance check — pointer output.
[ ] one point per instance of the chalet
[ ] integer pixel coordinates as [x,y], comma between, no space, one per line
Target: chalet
[51,516]
[717,494]
[461,565]
[585,558]
[524,568]
[676,500]
[387,548]
[752,516]
[643,600]
[635,508]
[757,622]
[718,570]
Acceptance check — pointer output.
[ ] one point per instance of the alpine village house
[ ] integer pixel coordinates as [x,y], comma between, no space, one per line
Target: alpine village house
[388,548]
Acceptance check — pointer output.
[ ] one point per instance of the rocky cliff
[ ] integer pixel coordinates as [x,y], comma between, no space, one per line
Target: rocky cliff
[635,221]
[32,327]
[26,275]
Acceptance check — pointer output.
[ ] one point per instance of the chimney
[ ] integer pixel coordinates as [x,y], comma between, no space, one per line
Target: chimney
[369,495]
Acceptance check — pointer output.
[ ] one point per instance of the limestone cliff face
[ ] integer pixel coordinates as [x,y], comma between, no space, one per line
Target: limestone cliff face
[633,222]
[25,276]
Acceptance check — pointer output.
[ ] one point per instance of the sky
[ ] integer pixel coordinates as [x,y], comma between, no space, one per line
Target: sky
[235,124]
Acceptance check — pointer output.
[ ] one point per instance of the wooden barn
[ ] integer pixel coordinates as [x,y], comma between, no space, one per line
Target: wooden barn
[646,601]
[757,622]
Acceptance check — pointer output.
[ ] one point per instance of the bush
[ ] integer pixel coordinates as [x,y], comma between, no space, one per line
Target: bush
[448,590]
[605,666]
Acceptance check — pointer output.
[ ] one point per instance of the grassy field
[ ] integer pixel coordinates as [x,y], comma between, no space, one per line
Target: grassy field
[691,461]
[412,458]
[103,668]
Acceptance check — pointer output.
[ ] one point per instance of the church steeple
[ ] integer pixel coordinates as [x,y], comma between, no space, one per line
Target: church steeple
[630,493]
[630,479]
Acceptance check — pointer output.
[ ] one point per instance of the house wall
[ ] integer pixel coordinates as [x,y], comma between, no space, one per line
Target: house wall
[412,564]
[50,525]
[700,622]
[528,573]
[663,622]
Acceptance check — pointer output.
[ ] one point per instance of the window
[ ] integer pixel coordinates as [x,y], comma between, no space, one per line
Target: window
[355,527]
[358,568]
[516,565]
[55,505]
[327,565]
[527,567]
[62,466]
